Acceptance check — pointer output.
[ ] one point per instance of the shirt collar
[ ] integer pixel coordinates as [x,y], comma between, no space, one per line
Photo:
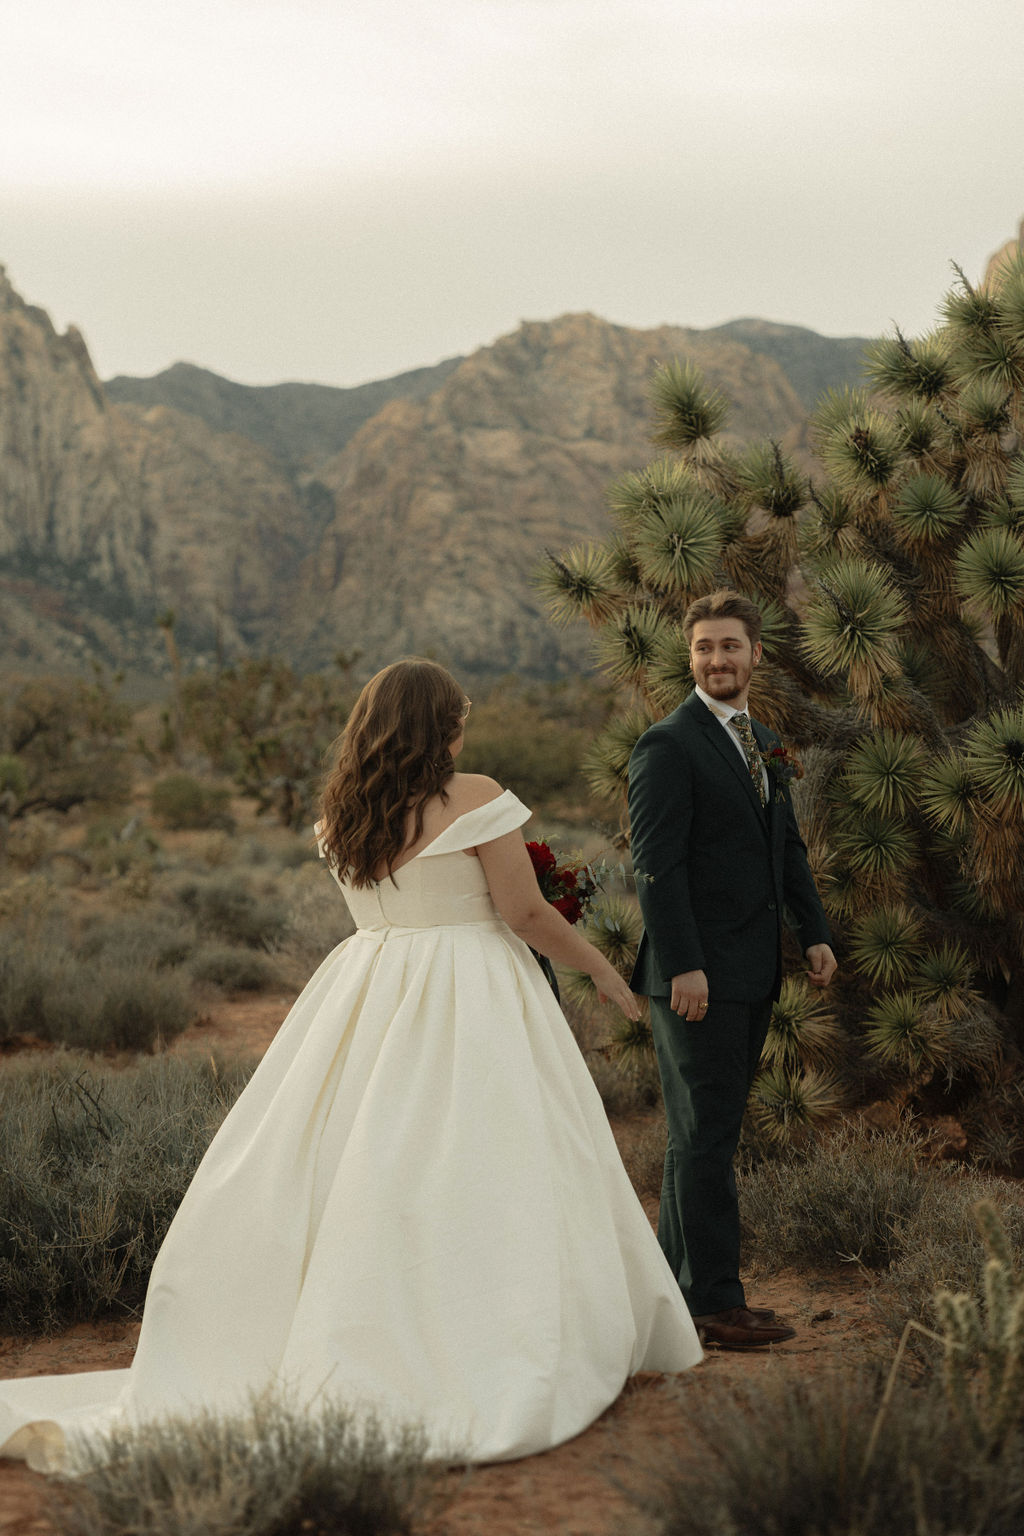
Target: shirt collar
[718,707]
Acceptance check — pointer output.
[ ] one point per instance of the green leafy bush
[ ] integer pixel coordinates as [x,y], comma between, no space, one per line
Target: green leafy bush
[95,1163]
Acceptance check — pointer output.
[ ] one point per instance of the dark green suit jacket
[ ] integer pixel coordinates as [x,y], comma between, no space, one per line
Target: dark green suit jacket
[714,868]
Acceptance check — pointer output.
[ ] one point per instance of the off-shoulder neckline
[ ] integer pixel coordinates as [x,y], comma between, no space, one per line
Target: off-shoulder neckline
[473,811]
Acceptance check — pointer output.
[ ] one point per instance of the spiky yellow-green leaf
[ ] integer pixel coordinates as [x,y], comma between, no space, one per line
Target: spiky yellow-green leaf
[886,944]
[627,643]
[579,584]
[677,546]
[884,772]
[949,794]
[669,679]
[875,845]
[927,510]
[994,756]
[649,490]
[687,413]
[852,623]
[903,1032]
[990,571]
[801,1031]
[605,764]
[788,1105]
[919,368]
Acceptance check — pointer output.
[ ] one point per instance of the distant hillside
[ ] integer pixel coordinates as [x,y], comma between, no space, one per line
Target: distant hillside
[298,520]
[298,423]
[813,364]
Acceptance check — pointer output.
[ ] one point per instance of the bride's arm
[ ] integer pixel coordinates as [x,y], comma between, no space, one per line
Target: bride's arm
[515,893]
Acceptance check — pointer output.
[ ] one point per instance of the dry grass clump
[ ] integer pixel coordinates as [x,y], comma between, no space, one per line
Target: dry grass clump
[233,969]
[111,1000]
[873,1200]
[95,1163]
[225,905]
[273,1471]
[799,1456]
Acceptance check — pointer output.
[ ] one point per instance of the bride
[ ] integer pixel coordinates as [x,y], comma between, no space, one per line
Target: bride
[417,1204]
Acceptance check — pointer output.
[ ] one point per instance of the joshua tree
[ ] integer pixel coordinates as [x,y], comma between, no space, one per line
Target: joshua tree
[893,595]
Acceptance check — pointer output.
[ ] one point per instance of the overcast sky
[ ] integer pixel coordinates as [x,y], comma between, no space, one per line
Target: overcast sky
[337,190]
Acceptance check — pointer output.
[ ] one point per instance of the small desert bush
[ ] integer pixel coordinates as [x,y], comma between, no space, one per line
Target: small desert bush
[95,1164]
[187,804]
[99,1003]
[784,1456]
[236,970]
[157,936]
[846,1198]
[274,1471]
[875,1201]
[224,905]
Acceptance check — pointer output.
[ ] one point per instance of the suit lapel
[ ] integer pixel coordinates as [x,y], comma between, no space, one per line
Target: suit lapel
[695,710]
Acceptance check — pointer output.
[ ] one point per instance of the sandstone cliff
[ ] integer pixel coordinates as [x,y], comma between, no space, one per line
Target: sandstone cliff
[444,508]
[420,534]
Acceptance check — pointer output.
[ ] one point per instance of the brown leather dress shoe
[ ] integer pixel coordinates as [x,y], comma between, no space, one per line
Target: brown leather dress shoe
[739,1328]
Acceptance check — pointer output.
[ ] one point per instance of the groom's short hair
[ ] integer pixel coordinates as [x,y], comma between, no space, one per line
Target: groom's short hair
[724,604]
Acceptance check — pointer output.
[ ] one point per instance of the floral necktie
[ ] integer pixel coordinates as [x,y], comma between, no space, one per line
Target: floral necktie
[742,723]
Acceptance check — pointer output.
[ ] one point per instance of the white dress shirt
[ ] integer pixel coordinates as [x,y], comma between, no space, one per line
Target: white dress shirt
[723,713]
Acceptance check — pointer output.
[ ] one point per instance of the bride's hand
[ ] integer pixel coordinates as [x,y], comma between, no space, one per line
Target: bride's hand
[612,989]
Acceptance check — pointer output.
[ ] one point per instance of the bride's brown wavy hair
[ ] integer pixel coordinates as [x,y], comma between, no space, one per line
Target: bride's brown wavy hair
[392,756]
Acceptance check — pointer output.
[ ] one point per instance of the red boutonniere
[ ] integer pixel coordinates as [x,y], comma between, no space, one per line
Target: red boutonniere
[783,766]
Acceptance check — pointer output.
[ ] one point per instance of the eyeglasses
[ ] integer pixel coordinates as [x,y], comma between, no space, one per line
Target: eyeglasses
[466,709]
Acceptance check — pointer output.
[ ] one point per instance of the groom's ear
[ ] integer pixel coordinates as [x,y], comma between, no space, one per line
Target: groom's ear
[755,653]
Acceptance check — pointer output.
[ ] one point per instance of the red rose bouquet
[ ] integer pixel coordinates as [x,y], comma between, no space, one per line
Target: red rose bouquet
[570,888]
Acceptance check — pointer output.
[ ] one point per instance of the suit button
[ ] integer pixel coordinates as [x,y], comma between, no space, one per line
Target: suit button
[771,906]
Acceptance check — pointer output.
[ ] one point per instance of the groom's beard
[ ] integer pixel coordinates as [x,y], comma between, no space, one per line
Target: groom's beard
[726,685]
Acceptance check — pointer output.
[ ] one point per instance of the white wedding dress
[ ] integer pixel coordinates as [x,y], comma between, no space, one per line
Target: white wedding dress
[416,1205]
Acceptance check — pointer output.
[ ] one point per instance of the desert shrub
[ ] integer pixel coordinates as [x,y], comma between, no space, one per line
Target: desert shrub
[95,1164]
[941,1249]
[157,937]
[274,1471]
[187,804]
[119,847]
[781,1455]
[871,1199]
[236,970]
[847,1197]
[105,1002]
[222,904]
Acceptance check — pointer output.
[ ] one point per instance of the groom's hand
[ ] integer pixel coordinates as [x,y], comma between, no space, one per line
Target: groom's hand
[823,965]
[690,995]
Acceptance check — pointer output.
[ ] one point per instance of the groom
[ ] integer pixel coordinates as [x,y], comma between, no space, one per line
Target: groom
[717,856]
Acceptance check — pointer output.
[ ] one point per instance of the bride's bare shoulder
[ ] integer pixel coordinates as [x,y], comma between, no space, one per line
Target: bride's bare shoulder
[468,791]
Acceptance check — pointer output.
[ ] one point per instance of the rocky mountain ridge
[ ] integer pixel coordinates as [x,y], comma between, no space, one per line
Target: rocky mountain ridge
[300,520]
